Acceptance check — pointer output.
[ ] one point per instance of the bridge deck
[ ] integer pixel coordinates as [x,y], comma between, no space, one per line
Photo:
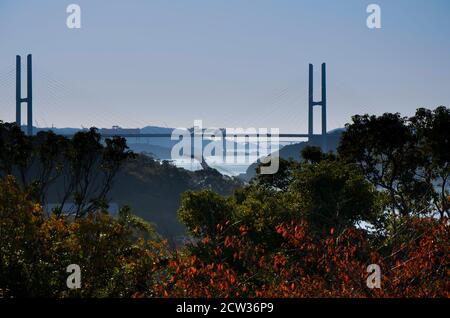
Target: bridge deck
[207,135]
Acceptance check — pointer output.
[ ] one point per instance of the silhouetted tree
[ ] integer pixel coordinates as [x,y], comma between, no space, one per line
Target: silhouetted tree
[385,149]
[279,180]
[48,160]
[407,158]
[432,129]
[313,154]
[82,168]
[15,151]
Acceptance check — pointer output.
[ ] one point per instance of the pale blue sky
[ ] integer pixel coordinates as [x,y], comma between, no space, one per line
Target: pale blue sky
[231,63]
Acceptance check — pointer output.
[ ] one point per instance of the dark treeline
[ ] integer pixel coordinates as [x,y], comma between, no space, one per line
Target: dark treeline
[84,173]
[310,230]
[82,169]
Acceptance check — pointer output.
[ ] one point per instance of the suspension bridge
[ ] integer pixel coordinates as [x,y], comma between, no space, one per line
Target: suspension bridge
[54,87]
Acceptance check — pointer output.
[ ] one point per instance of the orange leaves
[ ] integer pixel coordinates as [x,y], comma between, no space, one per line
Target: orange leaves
[243,229]
[227,242]
[206,240]
[262,261]
[113,262]
[279,261]
[282,230]
[196,230]
[37,208]
[137,295]
[310,264]
[232,279]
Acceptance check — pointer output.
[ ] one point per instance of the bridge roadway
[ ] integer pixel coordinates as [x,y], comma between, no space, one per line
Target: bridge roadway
[200,135]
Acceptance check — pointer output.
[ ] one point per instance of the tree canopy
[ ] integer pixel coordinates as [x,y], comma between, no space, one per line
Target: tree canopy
[311,230]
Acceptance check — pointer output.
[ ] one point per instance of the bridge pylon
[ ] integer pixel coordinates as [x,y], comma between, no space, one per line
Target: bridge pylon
[29,98]
[322,104]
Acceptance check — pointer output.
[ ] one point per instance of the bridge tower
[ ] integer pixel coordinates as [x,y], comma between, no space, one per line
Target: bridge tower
[29,98]
[322,103]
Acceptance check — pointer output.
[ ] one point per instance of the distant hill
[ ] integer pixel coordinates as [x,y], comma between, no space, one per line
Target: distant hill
[71,130]
[293,151]
[156,130]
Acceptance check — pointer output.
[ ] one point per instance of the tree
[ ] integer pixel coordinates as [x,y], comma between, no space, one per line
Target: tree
[334,194]
[384,148]
[91,168]
[81,170]
[433,146]
[15,151]
[314,154]
[285,175]
[407,158]
[202,211]
[311,264]
[48,163]
[35,250]
[279,181]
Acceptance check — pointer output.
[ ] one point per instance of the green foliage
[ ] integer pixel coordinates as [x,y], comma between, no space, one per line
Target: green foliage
[259,209]
[35,251]
[82,168]
[202,211]
[407,158]
[15,150]
[432,129]
[280,180]
[292,233]
[313,154]
[326,192]
[333,194]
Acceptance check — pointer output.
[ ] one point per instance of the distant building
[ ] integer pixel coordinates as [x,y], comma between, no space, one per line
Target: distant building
[116,130]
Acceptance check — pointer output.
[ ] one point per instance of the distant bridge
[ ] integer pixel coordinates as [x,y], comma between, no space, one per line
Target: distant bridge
[200,135]
[311,104]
